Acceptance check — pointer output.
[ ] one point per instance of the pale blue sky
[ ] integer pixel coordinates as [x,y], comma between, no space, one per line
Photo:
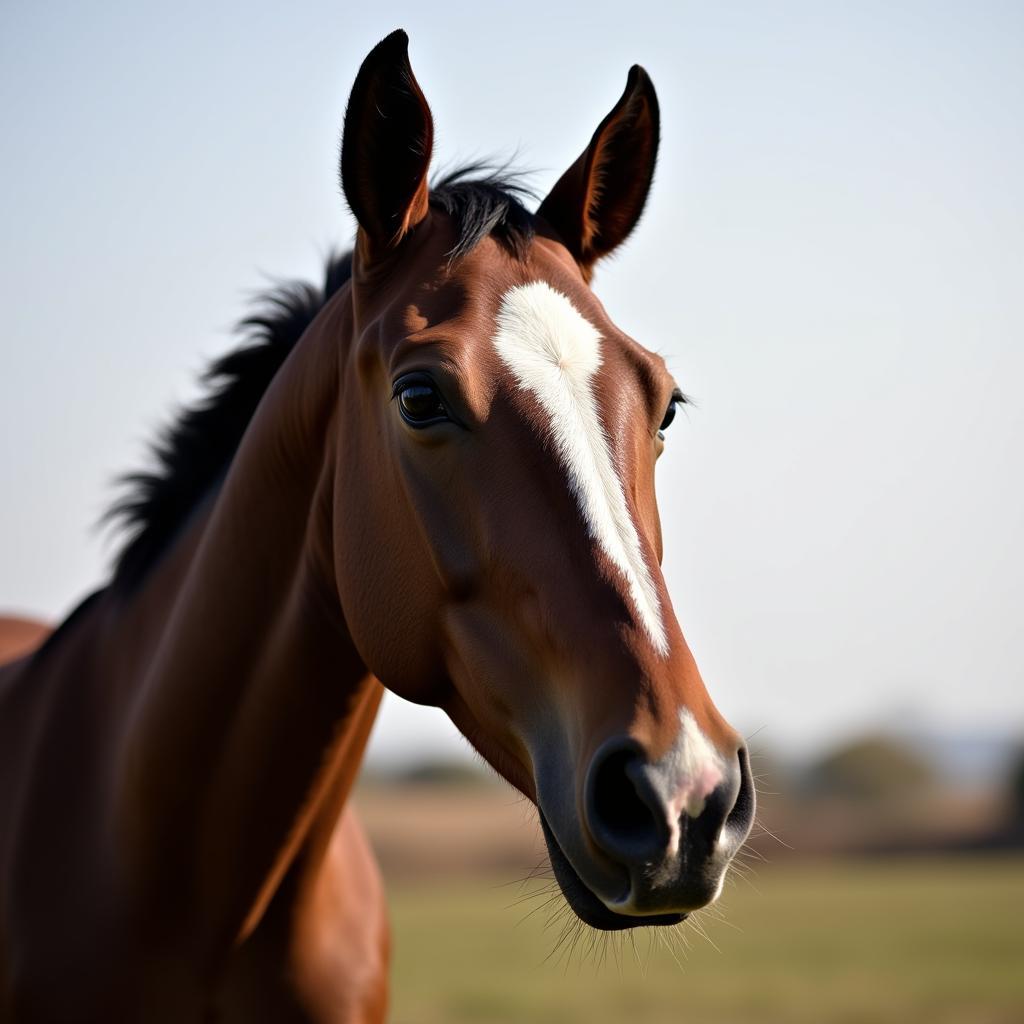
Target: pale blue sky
[831,259]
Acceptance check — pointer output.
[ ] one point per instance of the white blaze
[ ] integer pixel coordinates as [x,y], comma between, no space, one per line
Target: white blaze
[554,352]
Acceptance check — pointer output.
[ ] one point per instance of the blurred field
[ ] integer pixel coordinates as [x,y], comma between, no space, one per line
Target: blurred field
[930,940]
[835,929]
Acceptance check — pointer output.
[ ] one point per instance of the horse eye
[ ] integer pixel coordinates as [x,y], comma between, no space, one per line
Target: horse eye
[670,415]
[421,404]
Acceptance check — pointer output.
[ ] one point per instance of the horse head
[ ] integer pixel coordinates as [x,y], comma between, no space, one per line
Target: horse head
[496,537]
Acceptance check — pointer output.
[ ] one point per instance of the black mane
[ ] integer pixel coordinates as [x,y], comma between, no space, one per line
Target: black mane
[483,201]
[192,453]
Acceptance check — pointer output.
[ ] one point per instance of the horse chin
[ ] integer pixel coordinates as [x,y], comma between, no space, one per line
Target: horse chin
[582,900]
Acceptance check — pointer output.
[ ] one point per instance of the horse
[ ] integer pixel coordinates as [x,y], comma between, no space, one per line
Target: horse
[435,474]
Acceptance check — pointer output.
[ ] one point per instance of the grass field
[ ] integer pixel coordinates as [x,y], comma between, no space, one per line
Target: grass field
[923,940]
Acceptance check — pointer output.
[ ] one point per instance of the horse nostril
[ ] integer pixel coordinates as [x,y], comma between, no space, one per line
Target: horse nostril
[728,813]
[624,816]
[638,813]
[741,816]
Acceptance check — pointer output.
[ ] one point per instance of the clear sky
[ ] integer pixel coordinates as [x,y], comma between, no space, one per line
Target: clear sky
[831,259]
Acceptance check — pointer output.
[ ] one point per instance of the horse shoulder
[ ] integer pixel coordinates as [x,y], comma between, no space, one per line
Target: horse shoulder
[341,945]
[329,925]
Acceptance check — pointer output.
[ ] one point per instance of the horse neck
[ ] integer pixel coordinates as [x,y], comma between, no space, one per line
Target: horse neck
[249,709]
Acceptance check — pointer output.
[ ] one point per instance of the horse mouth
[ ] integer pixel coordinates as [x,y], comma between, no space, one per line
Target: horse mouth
[582,900]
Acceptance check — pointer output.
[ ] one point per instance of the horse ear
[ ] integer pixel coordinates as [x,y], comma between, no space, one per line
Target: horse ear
[598,201]
[386,146]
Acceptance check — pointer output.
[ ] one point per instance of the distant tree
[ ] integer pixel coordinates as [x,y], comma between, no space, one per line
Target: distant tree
[871,769]
[444,773]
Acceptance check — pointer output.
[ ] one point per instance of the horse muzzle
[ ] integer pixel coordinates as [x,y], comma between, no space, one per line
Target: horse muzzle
[655,839]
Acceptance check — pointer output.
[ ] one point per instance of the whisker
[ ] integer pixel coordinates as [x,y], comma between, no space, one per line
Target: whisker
[551,901]
[566,928]
[698,927]
[746,851]
[666,944]
[636,952]
[768,832]
[542,870]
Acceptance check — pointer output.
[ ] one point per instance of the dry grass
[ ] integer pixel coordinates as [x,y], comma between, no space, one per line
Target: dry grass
[922,940]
